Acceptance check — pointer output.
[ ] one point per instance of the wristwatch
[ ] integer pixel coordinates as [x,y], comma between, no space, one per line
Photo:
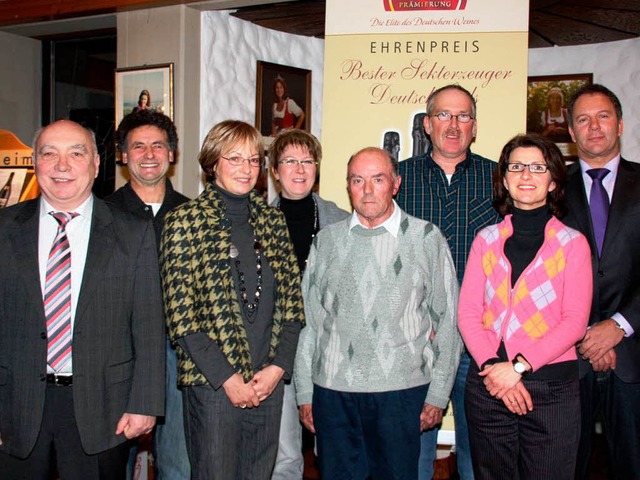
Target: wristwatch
[519,367]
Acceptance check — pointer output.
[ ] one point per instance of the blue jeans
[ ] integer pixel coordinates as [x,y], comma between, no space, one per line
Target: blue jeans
[289,462]
[170,449]
[429,439]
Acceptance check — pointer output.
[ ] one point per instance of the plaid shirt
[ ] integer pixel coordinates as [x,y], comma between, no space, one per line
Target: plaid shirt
[460,209]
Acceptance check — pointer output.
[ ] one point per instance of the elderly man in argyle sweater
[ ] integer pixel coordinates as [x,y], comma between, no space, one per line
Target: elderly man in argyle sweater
[368,376]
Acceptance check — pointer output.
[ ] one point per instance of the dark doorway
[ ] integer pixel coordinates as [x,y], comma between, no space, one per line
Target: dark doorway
[78,84]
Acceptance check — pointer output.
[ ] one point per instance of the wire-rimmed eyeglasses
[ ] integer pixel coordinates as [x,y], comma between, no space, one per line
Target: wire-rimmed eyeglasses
[292,162]
[446,117]
[237,160]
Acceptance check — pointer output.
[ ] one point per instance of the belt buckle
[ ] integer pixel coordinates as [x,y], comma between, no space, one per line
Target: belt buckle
[61,380]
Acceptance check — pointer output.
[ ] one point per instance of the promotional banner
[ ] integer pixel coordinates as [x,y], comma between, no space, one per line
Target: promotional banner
[384,57]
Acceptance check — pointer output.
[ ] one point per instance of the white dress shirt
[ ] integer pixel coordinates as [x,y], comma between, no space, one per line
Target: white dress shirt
[391,224]
[608,183]
[78,231]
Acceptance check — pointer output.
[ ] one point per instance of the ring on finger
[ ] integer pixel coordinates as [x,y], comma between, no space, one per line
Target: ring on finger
[243,406]
[512,400]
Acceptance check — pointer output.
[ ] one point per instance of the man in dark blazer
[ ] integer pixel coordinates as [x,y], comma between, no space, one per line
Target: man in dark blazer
[80,411]
[610,372]
[148,142]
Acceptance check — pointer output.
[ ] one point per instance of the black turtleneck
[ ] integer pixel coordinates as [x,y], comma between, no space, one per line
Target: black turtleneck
[302,222]
[528,235]
[257,324]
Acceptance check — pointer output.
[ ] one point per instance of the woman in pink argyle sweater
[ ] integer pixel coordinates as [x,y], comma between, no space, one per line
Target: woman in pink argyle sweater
[524,303]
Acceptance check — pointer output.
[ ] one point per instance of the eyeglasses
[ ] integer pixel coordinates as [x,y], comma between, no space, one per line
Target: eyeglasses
[533,167]
[237,160]
[292,162]
[446,117]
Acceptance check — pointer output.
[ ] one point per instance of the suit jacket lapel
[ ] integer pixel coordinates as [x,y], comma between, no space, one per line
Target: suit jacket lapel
[101,242]
[578,204]
[623,195]
[24,240]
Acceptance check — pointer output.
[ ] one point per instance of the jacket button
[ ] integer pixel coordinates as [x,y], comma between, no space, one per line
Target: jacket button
[600,274]
[222,264]
[43,335]
[43,377]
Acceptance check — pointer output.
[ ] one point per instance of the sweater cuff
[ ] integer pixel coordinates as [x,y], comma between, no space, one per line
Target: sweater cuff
[208,358]
[286,352]
[304,398]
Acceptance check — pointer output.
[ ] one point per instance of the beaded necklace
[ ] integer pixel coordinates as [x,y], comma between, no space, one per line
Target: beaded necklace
[249,307]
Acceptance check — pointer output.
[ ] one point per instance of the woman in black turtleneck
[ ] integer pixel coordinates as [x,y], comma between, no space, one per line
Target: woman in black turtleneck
[294,156]
[524,303]
[234,309]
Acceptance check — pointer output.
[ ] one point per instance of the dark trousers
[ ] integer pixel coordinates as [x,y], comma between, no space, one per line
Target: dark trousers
[542,444]
[229,443]
[603,395]
[59,445]
[368,434]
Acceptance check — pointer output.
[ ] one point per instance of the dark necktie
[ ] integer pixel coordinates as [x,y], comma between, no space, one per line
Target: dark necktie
[598,204]
[57,295]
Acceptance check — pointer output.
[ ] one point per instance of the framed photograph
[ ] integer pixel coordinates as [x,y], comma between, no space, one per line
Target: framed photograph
[283,98]
[547,99]
[144,87]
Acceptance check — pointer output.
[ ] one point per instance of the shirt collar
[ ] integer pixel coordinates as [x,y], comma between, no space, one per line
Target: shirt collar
[391,224]
[611,165]
[84,209]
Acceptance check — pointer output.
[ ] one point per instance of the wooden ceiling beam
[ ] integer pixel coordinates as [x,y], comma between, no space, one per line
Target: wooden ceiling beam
[31,11]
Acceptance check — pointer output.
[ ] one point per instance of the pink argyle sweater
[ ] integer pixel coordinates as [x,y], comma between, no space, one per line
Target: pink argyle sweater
[544,314]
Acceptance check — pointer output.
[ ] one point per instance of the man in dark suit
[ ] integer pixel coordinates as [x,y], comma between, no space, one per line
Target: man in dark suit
[81,325]
[603,195]
[148,141]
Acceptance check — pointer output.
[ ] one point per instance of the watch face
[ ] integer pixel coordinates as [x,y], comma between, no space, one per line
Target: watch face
[519,367]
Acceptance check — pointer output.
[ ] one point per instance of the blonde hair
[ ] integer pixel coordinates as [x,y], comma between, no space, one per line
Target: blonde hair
[223,136]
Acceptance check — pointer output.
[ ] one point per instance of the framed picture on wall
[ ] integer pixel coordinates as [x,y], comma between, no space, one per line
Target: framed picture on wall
[283,98]
[547,99]
[144,87]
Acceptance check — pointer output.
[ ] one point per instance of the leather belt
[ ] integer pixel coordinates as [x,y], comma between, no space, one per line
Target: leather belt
[59,380]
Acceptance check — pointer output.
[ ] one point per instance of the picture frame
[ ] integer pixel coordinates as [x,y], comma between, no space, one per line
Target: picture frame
[133,82]
[547,98]
[297,89]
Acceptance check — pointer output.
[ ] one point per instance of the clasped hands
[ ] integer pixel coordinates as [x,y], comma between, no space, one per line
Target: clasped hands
[504,383]
[258,389]
[598,343]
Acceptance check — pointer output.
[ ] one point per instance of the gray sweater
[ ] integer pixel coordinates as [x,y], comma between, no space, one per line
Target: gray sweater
[371,303]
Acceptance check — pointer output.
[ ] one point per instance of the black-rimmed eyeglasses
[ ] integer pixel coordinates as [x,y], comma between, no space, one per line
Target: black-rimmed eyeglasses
[533,167]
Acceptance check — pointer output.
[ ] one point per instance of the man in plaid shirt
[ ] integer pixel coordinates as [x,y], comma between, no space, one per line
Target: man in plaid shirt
[451,187]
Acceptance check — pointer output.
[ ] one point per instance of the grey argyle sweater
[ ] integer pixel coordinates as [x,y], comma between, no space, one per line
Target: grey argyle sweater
[371,302]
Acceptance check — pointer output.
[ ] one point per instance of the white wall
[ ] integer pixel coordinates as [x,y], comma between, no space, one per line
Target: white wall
[230,51]
[616,65]
[169,35]
[20,85]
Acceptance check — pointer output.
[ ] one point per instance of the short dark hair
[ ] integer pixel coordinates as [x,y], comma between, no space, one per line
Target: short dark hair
[503,202]
[295,137]
[392,160]
[593,89]
[142,118]
[454,86]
